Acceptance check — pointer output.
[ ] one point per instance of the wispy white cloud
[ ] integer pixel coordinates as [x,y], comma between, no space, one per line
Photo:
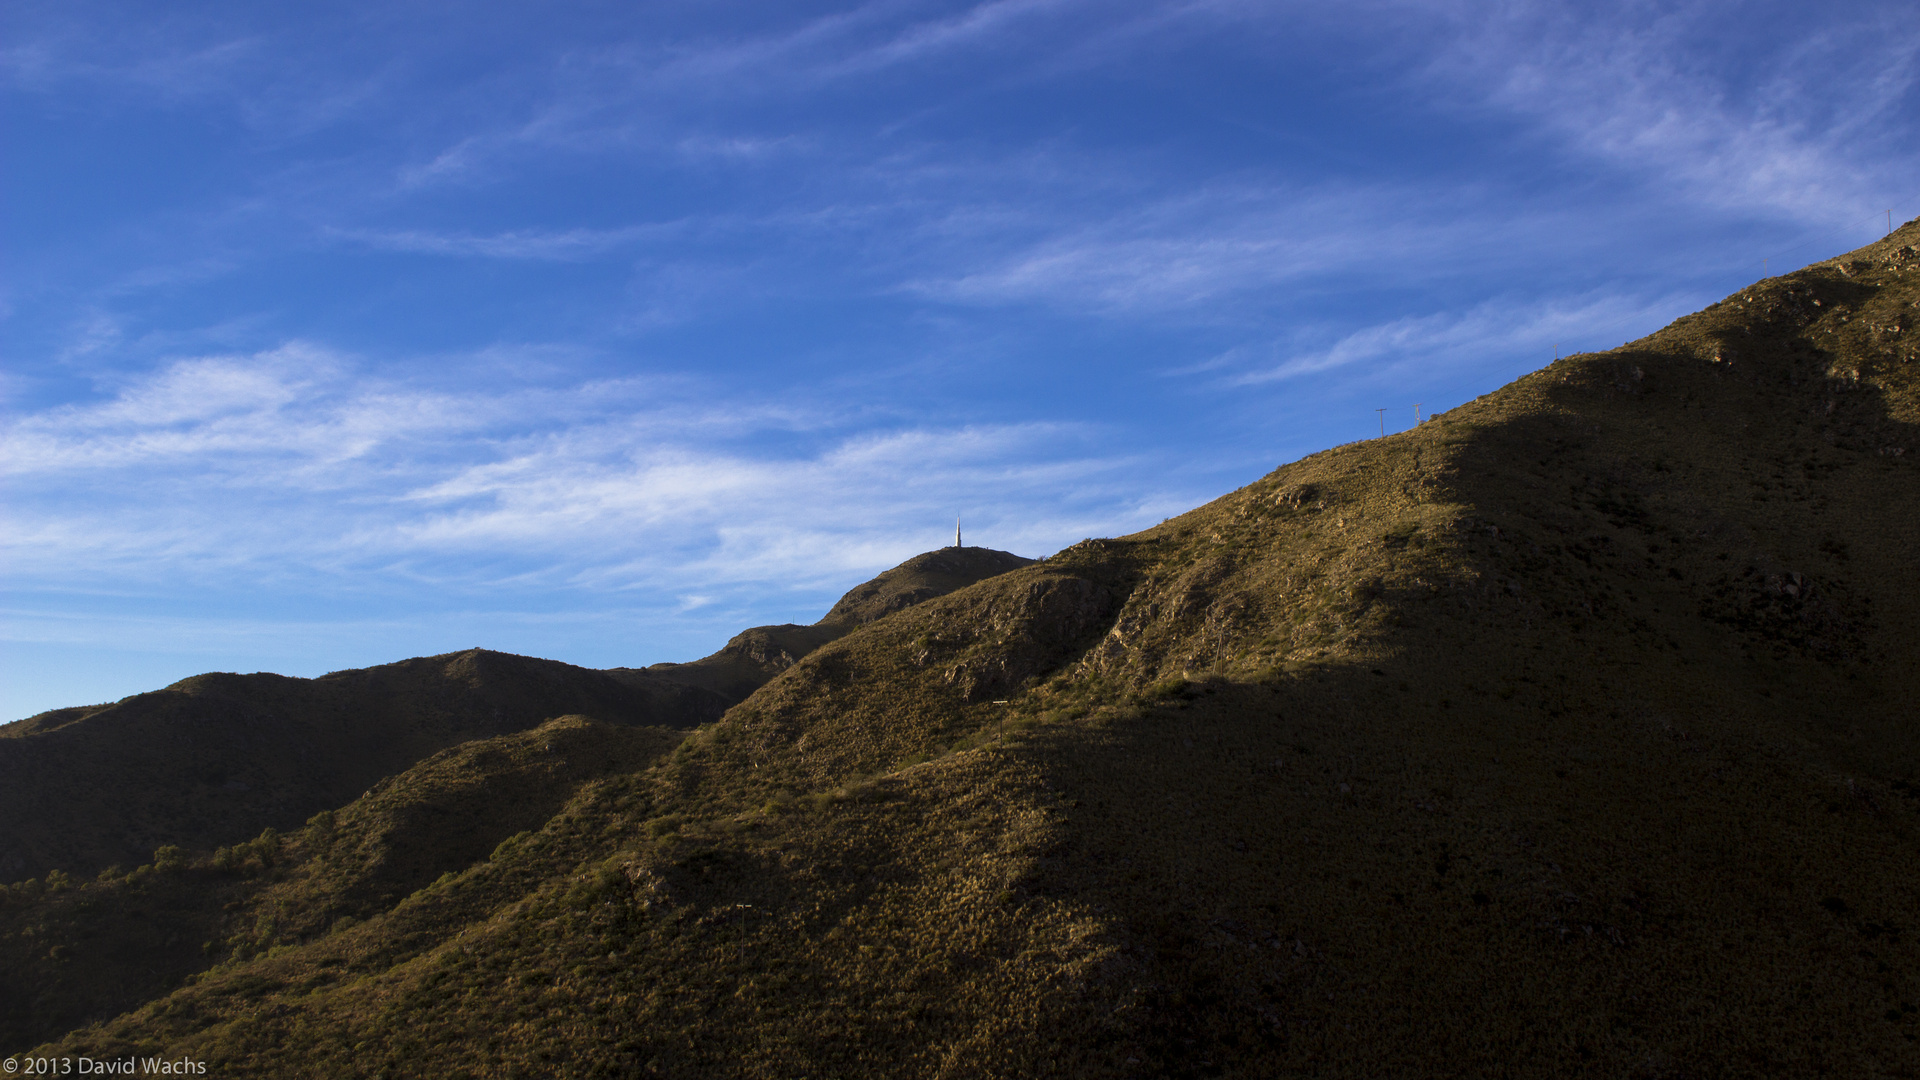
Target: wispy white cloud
[761,516]
[294,462]
[553,245]
[737,148]
[1495,328]
[1211,249]
[621,96]
[140,59]
[1690,99]
[987,24]
[192,59]
[285,416]
[453,163]
[218,413]
[853,42]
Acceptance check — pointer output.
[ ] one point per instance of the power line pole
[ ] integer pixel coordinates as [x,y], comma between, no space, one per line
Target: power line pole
[1383,422]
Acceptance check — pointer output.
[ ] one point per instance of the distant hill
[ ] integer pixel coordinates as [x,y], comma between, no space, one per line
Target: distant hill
[216,758]
[1569,734]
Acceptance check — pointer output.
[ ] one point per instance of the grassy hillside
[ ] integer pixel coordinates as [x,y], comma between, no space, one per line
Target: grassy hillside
[1569,734]
[83,950]
[756,655]
[216,758]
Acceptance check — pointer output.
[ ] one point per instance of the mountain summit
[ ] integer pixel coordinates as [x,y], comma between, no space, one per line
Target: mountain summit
[1570,733]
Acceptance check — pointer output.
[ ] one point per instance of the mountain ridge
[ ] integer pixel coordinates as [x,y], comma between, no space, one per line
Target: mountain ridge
[214,758]
[1568,734]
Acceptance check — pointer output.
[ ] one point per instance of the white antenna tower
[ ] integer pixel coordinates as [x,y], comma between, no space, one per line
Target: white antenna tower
[956,533]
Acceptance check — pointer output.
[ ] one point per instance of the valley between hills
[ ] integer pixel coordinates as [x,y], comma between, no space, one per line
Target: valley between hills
[1572,733]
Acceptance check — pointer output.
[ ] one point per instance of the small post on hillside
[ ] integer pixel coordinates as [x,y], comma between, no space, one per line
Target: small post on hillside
[1416,413]
[1383,422]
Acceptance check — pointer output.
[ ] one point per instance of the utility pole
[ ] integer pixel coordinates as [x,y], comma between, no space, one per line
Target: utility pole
[1416,413]
[1383,422]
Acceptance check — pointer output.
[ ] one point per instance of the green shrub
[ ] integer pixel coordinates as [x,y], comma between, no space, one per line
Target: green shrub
[251,857]
[507,847]
[595,887]
[319,832]
[1166,688]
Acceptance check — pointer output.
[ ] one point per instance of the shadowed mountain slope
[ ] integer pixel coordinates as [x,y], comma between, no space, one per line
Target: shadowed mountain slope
[1569,734]
[132,937]
[215,758]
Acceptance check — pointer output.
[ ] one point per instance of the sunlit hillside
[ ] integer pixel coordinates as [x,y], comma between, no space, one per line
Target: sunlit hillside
[1571,733]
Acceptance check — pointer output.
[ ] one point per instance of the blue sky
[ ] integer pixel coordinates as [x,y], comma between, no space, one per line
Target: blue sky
[336,334]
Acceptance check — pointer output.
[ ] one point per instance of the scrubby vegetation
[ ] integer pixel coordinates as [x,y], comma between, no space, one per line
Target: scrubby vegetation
[1568,734]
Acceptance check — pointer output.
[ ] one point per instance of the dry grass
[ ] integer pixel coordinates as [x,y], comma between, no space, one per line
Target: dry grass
[1569,734]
